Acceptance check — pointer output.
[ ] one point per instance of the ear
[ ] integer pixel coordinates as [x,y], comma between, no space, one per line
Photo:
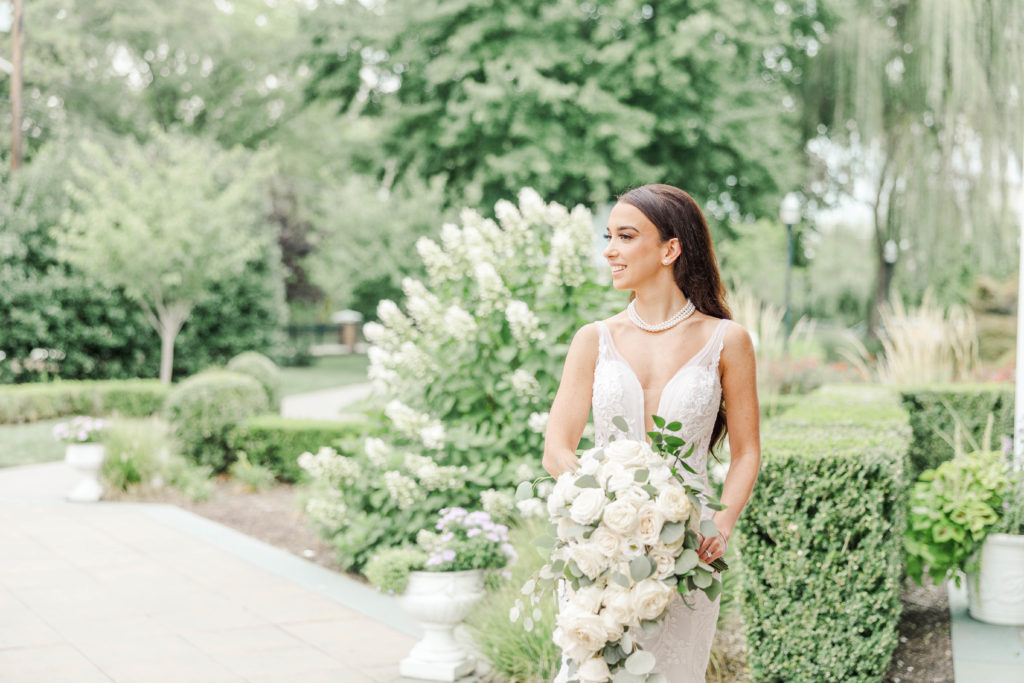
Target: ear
[670,251]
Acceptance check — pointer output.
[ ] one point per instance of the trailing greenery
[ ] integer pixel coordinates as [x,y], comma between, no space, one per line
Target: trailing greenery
[822,540]
[389,569]
[940,415]
[254,477]
[952,509]
[136,452]
[263,370]
[41,401]
[205,409]
[276,442]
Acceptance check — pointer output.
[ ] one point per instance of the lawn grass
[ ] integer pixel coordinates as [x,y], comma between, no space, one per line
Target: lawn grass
[326,372]
[27,444]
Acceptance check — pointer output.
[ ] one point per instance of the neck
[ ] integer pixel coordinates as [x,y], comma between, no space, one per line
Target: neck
[658,304]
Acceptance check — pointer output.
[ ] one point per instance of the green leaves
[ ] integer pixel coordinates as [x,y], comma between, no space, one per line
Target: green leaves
[641,567]
[620,423]
[672,532]
[587,481]
[686,561]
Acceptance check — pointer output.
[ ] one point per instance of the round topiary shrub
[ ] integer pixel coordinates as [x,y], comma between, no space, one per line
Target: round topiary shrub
[263,370]
[204,409]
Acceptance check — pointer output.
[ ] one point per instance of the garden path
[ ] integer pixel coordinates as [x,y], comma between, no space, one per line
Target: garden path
[325,404]
[150,592]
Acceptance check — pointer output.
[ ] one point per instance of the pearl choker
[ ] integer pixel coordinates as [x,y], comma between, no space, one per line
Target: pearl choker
[683,313]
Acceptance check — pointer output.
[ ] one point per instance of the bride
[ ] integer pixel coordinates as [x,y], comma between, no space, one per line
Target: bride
[674,353]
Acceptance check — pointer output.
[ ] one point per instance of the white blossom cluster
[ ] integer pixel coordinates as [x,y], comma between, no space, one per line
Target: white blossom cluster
[491,289]
[424,307]
[569,248]
[431,476]
[403,490]
[330,467]
[525,385]
[329,512]
[459,323]
[537,422]
[524,323]
[420,425]
[498,504]
[377,451]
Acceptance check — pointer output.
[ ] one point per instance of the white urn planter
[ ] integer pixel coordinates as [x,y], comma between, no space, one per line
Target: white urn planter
[440,601]
[87,458]
[995,594]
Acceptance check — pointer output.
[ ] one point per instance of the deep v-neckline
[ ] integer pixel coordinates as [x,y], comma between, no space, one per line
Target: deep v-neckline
[675,375]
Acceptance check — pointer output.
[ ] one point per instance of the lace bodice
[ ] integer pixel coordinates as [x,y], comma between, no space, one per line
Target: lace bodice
[691,397]
[682,645]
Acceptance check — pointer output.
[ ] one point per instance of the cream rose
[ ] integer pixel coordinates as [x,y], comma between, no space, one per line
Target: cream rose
[620,516]
[589,559]
[674,504]
[665,558]
[563,528]
[594,670]
[650,523]
[587,599]
[587,507]
[650,598]
[606,541]
[634,494]
[620,481]
[626,452]
[613,627]
[659,475]
[580,632]
[618,605]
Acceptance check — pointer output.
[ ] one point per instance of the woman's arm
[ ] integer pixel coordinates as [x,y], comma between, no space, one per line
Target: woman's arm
[739,389]
[569,411]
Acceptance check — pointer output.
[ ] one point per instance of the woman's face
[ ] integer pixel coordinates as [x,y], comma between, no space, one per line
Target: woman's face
[635,251]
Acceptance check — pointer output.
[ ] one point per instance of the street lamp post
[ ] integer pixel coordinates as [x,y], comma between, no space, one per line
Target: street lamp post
[789,212]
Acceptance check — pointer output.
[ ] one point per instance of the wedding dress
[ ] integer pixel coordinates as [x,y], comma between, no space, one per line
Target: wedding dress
[691,397]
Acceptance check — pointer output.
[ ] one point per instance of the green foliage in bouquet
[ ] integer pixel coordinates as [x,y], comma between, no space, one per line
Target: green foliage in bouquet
[468,367]
[389,569]
[952,509]
[824,528]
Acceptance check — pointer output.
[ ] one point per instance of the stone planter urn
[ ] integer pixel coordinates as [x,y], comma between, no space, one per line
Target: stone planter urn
[87,458]
[439,601]
[995,594]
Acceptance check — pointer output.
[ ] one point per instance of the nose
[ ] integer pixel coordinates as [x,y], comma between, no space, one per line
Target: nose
[609,249]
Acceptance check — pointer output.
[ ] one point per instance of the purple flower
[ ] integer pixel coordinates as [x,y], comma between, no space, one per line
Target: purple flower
[473,532]
[448,555]
[433,560]
[447,537]
[494,537]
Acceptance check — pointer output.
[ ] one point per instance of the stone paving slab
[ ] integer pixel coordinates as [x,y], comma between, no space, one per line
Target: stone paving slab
[143,592]
[983,652]
[325,404]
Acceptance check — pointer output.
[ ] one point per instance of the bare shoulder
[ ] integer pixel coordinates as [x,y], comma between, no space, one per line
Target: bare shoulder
[584,342]
[737,344]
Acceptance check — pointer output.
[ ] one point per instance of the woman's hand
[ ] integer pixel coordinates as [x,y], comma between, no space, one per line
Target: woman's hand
[563,461]
[712,548]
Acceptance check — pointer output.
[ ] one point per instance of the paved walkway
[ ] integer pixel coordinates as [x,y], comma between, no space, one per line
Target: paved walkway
[983,652]
[144,592]
[326,404]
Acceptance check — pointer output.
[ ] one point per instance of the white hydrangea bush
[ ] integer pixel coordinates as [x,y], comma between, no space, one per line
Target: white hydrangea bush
[468,367]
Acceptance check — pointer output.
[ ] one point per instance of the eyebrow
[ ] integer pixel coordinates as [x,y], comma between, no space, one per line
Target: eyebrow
[623,227]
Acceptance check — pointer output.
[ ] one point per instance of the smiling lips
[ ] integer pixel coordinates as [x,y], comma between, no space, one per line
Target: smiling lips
[616,268]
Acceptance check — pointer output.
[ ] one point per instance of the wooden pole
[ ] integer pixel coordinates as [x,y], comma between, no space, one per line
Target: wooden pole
[16,87]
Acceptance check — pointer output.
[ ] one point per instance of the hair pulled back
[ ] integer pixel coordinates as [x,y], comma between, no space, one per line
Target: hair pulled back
[675,214]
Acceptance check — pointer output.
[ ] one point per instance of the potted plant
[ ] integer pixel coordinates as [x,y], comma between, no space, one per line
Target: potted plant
[438,582]
[85,453]
[966,518]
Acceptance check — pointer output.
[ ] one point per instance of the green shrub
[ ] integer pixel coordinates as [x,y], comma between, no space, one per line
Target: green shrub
[822,540]
[936,412]
[277,442]
[41,401]
[255,477]
[192,480]
[263,370]
[515,654]
[205,409]
[136,450]
[389,569]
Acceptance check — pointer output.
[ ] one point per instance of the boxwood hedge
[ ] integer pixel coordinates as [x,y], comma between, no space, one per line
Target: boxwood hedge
[45,400]
[822,539]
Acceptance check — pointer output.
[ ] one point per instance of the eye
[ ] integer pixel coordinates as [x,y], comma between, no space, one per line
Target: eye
[607,237]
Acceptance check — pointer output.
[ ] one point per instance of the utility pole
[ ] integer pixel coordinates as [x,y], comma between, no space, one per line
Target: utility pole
[16,87]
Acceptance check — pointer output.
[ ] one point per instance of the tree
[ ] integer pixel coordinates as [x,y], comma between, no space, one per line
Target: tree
[166,221]
[920,103]
[578,100]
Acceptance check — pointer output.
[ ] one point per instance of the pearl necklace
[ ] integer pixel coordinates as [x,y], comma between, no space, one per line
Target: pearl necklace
[683,313]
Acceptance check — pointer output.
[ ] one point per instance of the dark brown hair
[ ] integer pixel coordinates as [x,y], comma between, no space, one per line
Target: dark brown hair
[675,214]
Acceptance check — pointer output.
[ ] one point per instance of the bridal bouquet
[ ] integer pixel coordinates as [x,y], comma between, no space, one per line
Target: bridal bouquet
[624,540]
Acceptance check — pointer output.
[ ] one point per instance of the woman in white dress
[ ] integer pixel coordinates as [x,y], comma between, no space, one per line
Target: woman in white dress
[673,352]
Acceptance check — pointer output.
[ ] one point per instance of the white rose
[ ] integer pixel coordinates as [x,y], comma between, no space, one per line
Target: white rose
[620,481]
[589,466]
[651,521]
[587,599]
[613,627]
[627,452]
[606,541]
[658,475]
[581,632]
[608,470]
[634,494]
[665,558]
[594,670]
[651,597]
[589,559]
[587,507]
[563,528]
[620,516]
[674,504]
[618,605]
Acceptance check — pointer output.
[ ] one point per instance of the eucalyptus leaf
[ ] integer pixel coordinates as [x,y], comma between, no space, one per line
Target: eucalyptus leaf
[621,579]
[620,423]
[623,676]
[524,490]
[574,569]
[672,532]
[640,663]
[651,490]
[640,568]
[708,529]
[686,561]
[702,579]
[544,542]
[714,590]
[640,476]
[587,481]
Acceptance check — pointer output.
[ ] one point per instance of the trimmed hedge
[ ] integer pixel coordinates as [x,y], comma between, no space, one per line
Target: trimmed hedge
[822,539]
[204,410]
[261,369]
[42,401]
[277,442]
[935,411]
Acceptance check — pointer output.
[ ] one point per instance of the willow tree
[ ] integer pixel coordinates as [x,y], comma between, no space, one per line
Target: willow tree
[917,108]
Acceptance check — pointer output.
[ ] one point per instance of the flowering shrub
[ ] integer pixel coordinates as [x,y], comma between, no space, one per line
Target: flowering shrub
[81,429]
[468,368]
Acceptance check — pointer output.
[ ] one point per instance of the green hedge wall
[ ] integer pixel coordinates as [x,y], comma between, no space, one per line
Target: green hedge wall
[935,411]
[42,401]
[822,539]
[277,442]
